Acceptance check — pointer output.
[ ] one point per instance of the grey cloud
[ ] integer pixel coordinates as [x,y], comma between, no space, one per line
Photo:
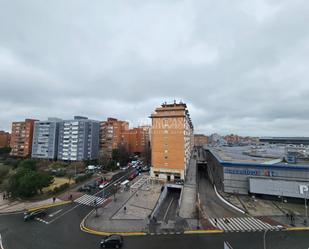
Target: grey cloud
[241,66]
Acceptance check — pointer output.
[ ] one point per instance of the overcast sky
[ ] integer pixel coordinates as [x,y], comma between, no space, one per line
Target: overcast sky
[241,66]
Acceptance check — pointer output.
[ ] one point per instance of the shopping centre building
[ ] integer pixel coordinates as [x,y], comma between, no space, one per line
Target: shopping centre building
[236,170]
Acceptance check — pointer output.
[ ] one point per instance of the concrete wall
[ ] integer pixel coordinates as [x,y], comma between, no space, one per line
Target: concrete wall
[296,189]
[159,202]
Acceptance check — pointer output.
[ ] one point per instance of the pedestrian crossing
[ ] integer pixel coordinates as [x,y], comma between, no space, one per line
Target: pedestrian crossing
[90,200]
[240,224]
[41,220]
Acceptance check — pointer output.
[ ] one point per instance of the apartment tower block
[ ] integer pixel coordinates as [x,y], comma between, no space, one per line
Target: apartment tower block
[45,139]
[21,138]
[171,141]
[78,139]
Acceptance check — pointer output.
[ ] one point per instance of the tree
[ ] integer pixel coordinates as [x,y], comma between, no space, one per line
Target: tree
[146,154]
[116,154]
[26,182]
[4,171]
[104,158]
[121,155]
[5,151]
[28,164]
[43,181]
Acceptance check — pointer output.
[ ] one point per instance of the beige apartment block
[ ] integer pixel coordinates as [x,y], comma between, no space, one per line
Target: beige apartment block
[171,141]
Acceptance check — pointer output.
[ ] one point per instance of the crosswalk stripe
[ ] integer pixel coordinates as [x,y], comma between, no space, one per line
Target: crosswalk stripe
[251,225]
[89,200]
[264,223]
[258,224]
[232,225]
[245,223]
[237,224]
[240,224]
[220,223]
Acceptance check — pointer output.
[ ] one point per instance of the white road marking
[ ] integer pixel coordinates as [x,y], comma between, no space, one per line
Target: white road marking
[89,200]
[241,224]
[79,204]
[170,204]
[41,220]
[53,214]
[1,245]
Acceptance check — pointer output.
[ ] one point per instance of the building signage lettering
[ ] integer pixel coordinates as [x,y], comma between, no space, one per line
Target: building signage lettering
[303,189]
[241,172]
[249,172]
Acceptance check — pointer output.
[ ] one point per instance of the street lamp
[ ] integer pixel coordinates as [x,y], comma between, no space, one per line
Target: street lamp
[115,190]
[306,207]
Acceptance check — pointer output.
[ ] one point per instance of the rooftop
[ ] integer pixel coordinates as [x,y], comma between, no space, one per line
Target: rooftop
[268,155]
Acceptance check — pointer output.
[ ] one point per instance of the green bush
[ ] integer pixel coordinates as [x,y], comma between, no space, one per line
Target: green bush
[28,164]
[60,173]
[12,162]
[61,188]
[4,171]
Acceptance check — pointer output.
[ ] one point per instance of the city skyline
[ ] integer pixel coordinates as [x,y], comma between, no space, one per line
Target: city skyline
[241,68]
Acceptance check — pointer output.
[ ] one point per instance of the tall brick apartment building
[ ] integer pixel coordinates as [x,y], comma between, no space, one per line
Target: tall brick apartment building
[171,141]
[111,134]
[5,139]
[21,138]
[137,139]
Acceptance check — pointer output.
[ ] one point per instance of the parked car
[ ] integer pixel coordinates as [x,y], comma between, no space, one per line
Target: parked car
[179,182]
[124,167]
[112,241]
[84,188]
[103,184]
[133,175]
[92,185]
[146,168]
[34,214]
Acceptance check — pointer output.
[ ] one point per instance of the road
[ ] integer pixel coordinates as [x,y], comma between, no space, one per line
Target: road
[64,233]
[213,205]
[61,230]
[169,206]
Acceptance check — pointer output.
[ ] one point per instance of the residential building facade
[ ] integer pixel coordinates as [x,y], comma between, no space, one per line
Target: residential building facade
[171,141]
[112,134]
[200,139]
[21,138]
[78,139]
[5,139]
[45,139]
[134,140]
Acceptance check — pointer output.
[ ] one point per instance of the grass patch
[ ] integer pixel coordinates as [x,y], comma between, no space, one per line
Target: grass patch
[58,182]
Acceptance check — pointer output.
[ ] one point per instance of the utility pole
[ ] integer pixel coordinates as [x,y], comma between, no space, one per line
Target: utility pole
[306,207]
[115,190]
[95,207]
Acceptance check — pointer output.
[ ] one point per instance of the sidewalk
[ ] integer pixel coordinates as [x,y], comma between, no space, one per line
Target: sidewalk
[139,204]
[8,206]
[188,199]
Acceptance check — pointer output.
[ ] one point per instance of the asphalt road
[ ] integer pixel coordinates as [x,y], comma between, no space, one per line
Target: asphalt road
[64,233]
[169,206]
[60,229]
[214,207]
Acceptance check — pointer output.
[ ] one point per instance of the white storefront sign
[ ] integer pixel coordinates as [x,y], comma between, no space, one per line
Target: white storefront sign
[303,189]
